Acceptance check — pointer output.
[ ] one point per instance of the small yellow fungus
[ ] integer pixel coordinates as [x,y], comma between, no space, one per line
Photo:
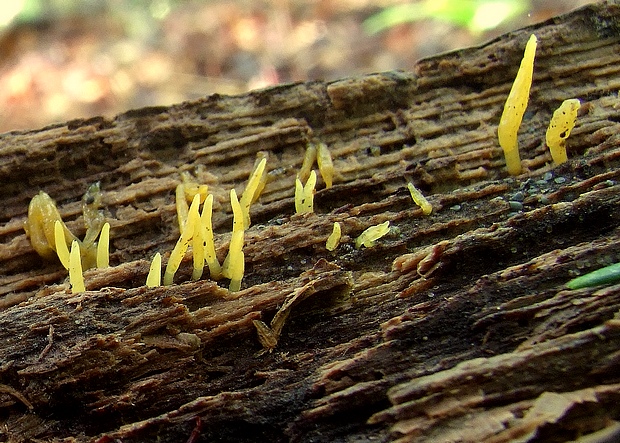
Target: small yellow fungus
[236,264]
[326,166]
[373,233]
[419,199]
[237,227]
[198,249]
[76,278]
[334,238]
[515,108]
[304,195]
[154,278]
[560,127]
[103,247]
[207,233]
[308,162]
[61,244]
[40,225]
[183,243]
[252,192]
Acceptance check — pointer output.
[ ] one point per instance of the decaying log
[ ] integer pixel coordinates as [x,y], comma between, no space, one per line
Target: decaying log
[457,326]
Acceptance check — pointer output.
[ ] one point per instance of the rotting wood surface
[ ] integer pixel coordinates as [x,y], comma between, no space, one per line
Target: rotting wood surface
[490,346]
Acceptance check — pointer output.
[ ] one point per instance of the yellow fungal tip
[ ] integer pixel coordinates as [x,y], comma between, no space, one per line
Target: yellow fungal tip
[326,166]
[372,234]
[76,278]
[419,199]
[154,278]
[103,247]
[61,244]
[334,238]
[560,127]
[252,191]
[238,224]
[308,162]
[514,109]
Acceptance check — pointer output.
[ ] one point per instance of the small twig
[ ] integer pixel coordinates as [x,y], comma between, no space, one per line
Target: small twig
[50,342]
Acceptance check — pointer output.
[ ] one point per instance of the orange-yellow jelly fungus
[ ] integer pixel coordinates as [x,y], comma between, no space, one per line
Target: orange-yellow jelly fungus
[515,108]
[560,127]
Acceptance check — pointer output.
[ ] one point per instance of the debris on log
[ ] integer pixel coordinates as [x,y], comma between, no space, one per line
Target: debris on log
[455,326]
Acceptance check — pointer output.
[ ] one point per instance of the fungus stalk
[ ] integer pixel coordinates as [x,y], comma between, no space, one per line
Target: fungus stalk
[326,166]
[103,247]
[515,108]
[252,191]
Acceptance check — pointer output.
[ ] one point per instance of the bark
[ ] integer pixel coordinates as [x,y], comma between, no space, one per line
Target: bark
[456,326]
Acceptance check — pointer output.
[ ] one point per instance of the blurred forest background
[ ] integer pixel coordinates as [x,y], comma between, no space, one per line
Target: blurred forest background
[64,59]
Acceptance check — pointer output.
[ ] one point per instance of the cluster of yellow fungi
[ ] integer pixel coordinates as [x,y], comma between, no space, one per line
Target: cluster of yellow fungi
[51,238]
[562,122]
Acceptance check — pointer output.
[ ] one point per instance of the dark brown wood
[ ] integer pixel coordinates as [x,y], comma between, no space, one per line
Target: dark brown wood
[489,345]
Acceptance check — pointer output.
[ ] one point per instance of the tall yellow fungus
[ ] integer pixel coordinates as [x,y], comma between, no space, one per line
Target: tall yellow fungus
[515,108]
[326,166]
[103,247]
[61,243]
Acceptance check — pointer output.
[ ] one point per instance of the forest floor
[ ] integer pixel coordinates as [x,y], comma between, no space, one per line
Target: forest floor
[107,59]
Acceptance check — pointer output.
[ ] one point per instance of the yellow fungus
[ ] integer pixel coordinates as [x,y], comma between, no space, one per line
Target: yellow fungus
[304,195]
[237,227]
[207,235]
[103,247]
[373,233]
[326,167]
[182,206]
[308,162]
[154,278]
[198,249]
[40,225]
[183,243]
[76,278]
[334,238]
[61,244]
[419,199]
[251,192]
[560,127]
[515,108]
[236,264]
